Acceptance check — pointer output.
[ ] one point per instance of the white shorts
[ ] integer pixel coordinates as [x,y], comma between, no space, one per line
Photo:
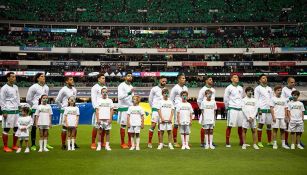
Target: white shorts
[10,121]
[234,118]
[208,126]
[104,125]
[280,123]
[185,129]
[296,126]
[134,129]
[155,117]
[43,126]
[166,126]
[265,118]
[122,117]
[249,125]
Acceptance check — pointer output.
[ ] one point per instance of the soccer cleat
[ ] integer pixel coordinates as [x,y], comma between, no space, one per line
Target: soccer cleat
[27,150]
[18,150]
[247,145]
[93,146]
[255,146]
[124,146]
[33,148]
[243,146]
[49,147]
[275,146]
[46,149]
[183,147]
[260,144]
[187,147]
[132,148]
[137,148]
[170,146]
[270,144]
[108,148]
[64,147]
[7,149]
[176,145]
[149,145]
[285,146]
[207,147]
[98,148]
[73,149]
[40,150]
[202,145]
[15,148]
[299,146]
[212,147]
[76,146]
[292,146]
[228,146]
[160,146]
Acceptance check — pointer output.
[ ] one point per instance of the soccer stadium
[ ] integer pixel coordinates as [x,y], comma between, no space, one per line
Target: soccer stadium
[153,87]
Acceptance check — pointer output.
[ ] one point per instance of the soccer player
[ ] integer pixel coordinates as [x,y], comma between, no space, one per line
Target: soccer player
[233,103]
[135,122]
[250,110]
[176,99]
[155,96]
[184,119]
[125,94]
[208,107]
[71,120]
[201,96]
[24,123]
[166,113]
[10,103]
[104,114]
[296,125]
[264,94]
[43,116]
[62,101]
[278,111]
[95,96]
[34,94]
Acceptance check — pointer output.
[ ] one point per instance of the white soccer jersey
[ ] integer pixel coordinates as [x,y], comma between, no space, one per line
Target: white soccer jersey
[208,107]
[286,92]
[233,96]
[166,107]
[249,107]
[43,112]
[124,99]
[185,110]
[136,113]
[34,94]
[296,108]
[64,94]
[263,94]
[201,94]
[155,96]
[175,94]
[104,107]
[10,99]
[96,94]
[71,112]
[279,105]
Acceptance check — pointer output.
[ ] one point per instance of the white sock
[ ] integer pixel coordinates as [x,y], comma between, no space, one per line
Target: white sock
[41,144]
[211,139]
[99,143]
[207,139]
[275,142]
[187,139]
[283,142]
[132,142]
[45,143]
[73,143]
[138,142]
[107,144]
[182,139]
[68,143]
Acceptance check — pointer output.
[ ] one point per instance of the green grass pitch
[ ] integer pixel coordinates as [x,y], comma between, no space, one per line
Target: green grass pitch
[152,161]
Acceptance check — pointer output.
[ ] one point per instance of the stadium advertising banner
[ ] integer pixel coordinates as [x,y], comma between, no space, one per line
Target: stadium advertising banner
[22,48]
[110,63]
[238,63]
[9,63]
[172,50]
[65,63]
[194,63]
[74,74]
[282,63]
[24,73]
[294,49]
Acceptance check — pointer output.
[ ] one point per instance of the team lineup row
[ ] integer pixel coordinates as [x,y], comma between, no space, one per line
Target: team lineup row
[278,109]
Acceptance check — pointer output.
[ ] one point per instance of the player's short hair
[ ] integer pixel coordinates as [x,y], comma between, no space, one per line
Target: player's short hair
[208,91]
[249,89]
[207,78]
[289,78]
[180,75]
[67,78]
[262,75]
[277,87]
[184,92]
[37,76]
[127,73]
[100,75]
[165,91]
[161,77]
[40,99]
[232,75]
[296,92]
[9,74]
